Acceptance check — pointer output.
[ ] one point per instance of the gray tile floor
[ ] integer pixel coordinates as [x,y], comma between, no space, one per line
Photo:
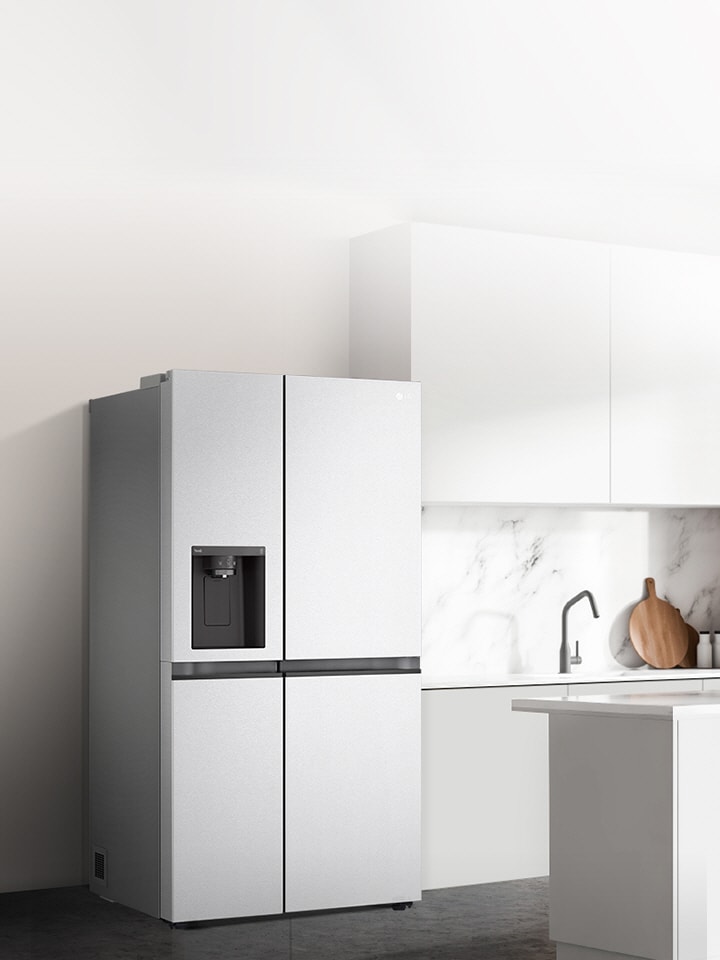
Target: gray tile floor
[495,921]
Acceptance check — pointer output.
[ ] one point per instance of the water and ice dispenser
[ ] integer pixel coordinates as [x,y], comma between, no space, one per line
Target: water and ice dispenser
[228,597]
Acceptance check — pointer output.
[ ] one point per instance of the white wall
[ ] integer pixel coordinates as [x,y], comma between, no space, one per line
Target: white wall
[178,180]
[98,290]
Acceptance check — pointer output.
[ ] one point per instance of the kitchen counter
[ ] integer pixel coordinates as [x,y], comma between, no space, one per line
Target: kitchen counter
[545,679]
[634,850]
[656,706]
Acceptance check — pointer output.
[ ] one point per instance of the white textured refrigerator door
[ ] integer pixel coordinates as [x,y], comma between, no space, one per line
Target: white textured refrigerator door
[352,508]
[221,480]
[352,790]
[222,799]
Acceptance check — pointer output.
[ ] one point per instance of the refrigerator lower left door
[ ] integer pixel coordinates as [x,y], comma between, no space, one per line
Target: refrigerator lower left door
[222,799]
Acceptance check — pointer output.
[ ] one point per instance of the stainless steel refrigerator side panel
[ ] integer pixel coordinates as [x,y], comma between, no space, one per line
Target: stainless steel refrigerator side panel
[165,585]
[124,629]
[352,506]
[166,790]
[225,799]
[223,468]
[352,788]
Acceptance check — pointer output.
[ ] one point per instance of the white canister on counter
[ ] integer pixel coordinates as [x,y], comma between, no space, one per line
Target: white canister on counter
[704,651]
[716,652]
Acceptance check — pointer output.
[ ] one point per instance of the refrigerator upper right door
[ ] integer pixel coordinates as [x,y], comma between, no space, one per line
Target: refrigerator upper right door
[352,518]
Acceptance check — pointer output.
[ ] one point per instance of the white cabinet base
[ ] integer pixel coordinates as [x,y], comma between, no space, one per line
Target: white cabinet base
[485,787]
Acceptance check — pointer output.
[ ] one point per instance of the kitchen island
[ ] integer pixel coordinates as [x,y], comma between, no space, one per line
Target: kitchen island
[634,837]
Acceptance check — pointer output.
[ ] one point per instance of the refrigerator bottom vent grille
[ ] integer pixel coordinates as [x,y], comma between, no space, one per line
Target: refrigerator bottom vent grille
[99,866]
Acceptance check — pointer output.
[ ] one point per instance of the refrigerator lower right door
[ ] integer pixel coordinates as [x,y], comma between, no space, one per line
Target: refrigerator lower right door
[352,790]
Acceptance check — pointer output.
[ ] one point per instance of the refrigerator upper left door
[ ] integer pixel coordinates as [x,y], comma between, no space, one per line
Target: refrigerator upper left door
[221,487]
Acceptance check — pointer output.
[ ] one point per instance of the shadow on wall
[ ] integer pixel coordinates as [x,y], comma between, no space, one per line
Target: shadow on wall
[43,688]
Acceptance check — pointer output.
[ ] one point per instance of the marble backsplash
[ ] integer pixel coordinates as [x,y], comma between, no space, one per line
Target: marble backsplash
[495,580]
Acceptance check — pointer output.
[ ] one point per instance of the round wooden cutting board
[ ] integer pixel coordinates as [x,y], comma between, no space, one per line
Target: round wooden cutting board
[690,658]
[658,631]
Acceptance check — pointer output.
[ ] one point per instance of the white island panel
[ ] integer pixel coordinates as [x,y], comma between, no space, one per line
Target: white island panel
[611,834]
[698,842]
[634,856]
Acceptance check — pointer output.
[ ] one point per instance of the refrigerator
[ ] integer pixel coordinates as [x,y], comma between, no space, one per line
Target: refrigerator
[254,584]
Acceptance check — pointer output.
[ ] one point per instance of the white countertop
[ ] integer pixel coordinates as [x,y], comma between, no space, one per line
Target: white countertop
[657,706]
[562,679]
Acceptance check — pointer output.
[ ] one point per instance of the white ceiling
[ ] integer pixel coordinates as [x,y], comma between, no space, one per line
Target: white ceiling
[595,118]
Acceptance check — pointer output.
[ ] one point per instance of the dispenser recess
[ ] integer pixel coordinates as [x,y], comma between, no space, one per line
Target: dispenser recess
[228,597]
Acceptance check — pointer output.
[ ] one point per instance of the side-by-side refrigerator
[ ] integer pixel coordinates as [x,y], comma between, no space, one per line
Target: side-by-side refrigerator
[254,565]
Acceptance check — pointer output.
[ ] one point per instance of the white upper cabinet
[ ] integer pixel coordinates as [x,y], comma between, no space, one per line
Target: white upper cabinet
[665,377]
[509,336]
